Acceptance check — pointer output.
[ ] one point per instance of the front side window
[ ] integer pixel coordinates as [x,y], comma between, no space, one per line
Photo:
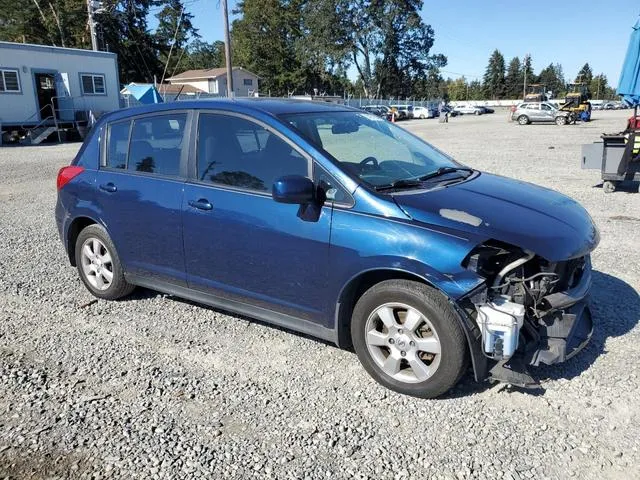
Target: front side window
[9,81]
[92,84]
[156,144]
[374,150]
[236,152]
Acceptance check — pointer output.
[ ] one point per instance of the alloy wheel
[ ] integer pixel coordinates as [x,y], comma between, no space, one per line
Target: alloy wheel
[97,264]
[403,343]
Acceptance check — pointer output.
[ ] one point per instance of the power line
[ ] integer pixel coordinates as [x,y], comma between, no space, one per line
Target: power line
[175,38]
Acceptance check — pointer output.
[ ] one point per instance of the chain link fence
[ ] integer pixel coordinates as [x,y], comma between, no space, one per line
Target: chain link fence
[127,100]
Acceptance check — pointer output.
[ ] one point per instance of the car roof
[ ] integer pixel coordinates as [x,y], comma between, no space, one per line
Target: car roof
[268,106]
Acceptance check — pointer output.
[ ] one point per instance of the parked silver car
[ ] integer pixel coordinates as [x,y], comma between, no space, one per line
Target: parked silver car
[530,112]
[405,111]
[468,110]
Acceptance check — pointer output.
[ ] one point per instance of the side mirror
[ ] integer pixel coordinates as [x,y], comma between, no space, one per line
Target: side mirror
[294,189]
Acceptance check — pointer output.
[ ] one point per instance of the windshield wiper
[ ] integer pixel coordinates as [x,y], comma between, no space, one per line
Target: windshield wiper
[445,170]
[398,184]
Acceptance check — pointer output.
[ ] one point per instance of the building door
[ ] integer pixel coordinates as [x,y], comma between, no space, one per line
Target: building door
[46,94]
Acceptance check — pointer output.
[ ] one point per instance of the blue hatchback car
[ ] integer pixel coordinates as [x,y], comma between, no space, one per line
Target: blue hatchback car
[332,222]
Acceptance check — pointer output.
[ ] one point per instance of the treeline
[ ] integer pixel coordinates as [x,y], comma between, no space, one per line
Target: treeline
[295,46]
[122,27]
[503,81]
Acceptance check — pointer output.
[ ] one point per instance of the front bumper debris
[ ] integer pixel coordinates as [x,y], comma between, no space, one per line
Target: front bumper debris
[562,335]
[564,329]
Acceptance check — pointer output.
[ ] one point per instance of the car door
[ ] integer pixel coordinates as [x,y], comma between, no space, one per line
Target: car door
[140,187]
[239,243]
[547,112]
[533,111]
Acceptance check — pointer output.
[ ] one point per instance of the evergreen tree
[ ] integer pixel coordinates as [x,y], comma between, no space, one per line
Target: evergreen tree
[476,90]
[514,79]
[202,55]
[263,41]
[123,29]
[172,34]
[585,75]
[494,77]
[599,87]
[552,78]
[458,89]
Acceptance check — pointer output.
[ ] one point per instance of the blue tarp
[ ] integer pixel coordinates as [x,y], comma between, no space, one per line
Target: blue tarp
[629,86]
[145,94]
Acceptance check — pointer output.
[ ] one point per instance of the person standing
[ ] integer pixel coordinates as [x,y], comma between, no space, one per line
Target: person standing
[444,114]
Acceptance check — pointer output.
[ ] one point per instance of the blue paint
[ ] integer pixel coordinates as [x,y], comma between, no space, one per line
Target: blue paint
[297,260]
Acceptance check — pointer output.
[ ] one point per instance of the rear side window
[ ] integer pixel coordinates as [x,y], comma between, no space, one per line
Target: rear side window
[118,145]
[156,144]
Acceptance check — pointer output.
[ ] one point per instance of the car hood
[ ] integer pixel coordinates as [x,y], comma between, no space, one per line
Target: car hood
[534,218]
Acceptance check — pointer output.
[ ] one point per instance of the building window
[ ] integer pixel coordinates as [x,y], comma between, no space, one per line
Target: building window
[247,82]
[92,84]
[9,81]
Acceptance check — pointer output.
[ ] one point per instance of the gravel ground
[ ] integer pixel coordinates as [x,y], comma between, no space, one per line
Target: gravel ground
[156,387]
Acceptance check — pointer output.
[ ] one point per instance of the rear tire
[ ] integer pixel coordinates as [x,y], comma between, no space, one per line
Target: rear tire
[408,338]
[99,265]
[523,120]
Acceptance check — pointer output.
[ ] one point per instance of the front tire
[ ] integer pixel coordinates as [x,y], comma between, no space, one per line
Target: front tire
[561,120]
[99,265]
[523,120]
[408,338]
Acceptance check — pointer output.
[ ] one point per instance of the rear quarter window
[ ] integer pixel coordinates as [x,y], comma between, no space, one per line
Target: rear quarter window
[118,145]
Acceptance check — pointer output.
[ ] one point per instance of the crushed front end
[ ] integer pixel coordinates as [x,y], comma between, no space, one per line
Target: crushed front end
[528,311]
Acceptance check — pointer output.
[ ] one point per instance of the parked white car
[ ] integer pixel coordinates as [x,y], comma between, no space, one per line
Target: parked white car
[423,112]
[469,110]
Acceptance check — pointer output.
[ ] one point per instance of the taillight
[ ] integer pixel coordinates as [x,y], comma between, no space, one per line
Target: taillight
[66,174]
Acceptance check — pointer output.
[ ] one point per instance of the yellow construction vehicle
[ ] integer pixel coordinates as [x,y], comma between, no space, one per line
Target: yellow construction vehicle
[536,92]
[577,101]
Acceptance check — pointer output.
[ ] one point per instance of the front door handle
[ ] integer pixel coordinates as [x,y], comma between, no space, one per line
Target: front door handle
[108,187]
[202,204]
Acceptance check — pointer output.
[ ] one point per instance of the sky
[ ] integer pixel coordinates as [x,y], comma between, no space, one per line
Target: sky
[569,32]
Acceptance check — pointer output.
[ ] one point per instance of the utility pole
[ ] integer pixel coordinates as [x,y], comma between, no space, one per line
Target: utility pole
[92,25]
[524,90]
[227,49]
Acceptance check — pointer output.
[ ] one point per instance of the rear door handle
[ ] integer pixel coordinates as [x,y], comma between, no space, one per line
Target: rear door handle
[202,204]
[108,187]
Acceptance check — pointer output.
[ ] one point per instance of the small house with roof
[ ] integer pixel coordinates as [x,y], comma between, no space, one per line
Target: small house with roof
[214,81]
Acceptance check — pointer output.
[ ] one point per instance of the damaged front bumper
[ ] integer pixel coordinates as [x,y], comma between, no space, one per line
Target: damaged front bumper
[562,328]
[567,325]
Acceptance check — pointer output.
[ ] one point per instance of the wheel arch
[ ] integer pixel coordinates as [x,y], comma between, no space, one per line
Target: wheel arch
[355,288]
[75,227]
[362,281]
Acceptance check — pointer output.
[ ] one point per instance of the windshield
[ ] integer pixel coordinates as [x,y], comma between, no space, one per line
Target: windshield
[376,151]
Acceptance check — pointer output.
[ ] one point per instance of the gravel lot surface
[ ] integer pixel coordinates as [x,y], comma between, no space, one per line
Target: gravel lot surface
[156,387]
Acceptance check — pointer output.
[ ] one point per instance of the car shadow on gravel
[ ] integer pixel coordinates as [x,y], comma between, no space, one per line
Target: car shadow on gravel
[615,308]
[141,293]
